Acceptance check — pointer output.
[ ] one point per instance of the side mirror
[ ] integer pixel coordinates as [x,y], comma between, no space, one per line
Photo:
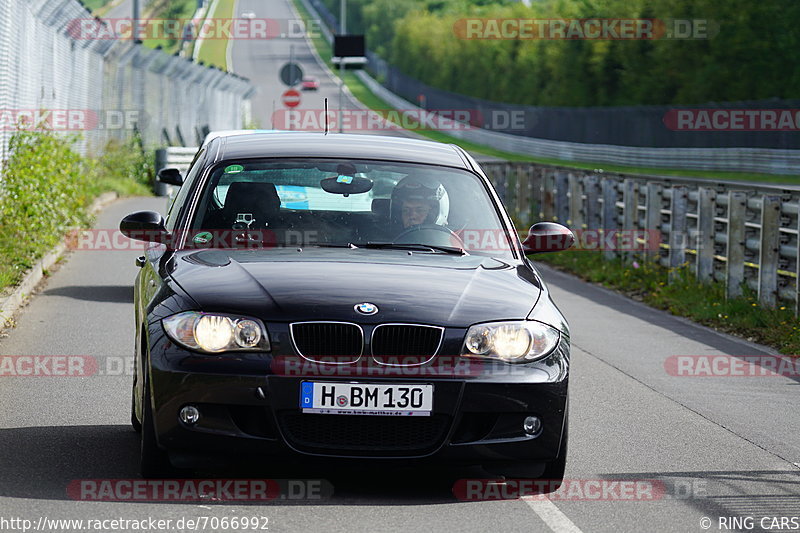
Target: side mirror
[547,237]
[171,176]
[147,226]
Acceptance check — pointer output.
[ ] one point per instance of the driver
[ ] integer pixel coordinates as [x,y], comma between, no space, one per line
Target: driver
[417,202]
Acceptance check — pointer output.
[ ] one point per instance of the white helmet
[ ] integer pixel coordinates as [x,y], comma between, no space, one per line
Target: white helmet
[429,191]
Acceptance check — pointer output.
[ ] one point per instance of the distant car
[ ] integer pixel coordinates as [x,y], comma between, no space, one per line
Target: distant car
[345,296]
[248,15]
[310,83]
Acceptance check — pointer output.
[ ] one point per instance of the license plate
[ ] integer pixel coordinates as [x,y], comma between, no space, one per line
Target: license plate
[366,399]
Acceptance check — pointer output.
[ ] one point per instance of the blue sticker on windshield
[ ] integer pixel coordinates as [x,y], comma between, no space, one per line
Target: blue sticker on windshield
[344,179]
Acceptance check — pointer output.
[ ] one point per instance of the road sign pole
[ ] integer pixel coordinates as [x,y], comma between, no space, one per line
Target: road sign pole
[135,25]
[291,58]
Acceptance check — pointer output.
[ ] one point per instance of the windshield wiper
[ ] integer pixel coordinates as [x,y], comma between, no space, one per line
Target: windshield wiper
[334,245]
[455,250]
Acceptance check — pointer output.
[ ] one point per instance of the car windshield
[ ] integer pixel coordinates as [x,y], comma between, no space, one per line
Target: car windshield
[355,204]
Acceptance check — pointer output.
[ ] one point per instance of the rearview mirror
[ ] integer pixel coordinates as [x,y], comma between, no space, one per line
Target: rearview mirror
[171,176]
[346,185]
[547,237]
[147,226]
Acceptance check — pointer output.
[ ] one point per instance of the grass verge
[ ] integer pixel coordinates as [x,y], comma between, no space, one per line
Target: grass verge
[685,296]
[93,6]
[369,99]
[214,52]
[167,10]
[46,187]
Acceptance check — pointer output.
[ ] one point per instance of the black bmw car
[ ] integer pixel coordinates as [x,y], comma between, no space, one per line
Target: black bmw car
[348,297]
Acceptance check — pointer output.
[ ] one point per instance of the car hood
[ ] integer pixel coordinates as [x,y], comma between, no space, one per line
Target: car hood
[325,284]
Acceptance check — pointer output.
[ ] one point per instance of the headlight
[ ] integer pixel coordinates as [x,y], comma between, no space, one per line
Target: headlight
[512,342]
[213,333]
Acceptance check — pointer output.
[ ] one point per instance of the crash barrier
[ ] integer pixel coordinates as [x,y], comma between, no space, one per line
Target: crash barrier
[639,136]
[64,79]
[726,232]
[173,157]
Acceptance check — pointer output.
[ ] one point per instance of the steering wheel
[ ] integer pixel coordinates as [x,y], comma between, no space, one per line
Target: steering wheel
[452,238]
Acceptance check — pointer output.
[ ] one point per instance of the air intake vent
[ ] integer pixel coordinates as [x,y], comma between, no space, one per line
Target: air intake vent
[364,435]
[412,343]
[328,341]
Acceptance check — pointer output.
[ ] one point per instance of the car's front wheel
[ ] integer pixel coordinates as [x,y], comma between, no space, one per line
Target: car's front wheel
[154,462]
[135,423]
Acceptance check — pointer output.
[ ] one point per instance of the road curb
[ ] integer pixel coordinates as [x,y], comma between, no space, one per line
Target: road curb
[10,304]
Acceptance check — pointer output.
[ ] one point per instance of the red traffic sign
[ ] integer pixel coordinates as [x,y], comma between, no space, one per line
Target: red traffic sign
[291,98]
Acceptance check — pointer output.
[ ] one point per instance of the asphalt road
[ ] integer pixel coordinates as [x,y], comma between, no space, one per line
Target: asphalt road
[720,446]
[261,61]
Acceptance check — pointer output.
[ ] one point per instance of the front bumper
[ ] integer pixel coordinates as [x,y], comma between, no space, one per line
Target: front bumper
[246,408]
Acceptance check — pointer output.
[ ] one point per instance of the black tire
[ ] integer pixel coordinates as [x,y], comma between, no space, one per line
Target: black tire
[154,462]
[135,423]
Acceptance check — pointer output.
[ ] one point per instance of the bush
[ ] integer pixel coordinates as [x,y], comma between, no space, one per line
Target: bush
[46,187]
[756,38]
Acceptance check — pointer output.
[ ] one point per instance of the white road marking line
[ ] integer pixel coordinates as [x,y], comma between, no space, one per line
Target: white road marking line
[551,515]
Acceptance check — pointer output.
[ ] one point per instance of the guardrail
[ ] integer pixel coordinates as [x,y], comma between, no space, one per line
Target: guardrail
[173,157]
[726,232]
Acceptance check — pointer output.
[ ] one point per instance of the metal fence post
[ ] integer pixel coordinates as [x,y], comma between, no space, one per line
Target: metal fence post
[562,200]
[534,183]
[522,205]
[653,217]
[705,234]
[630,213]
[677,230]
[592,203]
[734,264]
[575,220]
[630,209]
[797,270]
[610,222]
[769,250]
[499,179]
[547,190]
[512,178]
